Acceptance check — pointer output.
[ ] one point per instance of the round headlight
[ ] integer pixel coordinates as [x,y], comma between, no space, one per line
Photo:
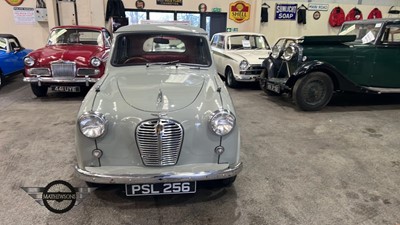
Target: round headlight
[29,61]
[276,51]
[92,124]
[222,122]
[96,62]
[289,53]
[243,65]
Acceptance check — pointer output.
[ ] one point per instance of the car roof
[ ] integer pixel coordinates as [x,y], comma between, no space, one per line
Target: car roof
[383,20]
[172,28]
[79,27]
[7,36]
[238,33]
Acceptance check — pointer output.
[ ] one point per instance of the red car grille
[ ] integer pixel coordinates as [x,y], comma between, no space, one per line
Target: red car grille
[63,69]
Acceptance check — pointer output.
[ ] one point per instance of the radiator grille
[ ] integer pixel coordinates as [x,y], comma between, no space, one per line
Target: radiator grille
[63,69]
[159,141]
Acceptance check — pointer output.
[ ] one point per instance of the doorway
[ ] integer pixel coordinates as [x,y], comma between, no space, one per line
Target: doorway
[213,23]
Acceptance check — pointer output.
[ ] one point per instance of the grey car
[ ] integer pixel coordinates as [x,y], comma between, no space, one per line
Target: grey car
[160,119]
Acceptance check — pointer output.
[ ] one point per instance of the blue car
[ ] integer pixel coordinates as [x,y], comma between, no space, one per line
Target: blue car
[11,56]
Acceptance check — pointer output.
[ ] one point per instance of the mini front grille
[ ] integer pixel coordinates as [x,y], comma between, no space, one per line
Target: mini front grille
[63,69]
[159,142]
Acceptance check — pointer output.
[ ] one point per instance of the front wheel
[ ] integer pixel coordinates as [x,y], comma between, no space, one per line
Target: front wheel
[39,91]
[313,92]
[1,80]
[230,79]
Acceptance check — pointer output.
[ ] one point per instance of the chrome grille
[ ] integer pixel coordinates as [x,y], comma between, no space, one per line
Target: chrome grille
[63,69]
[159,141]
[39,71]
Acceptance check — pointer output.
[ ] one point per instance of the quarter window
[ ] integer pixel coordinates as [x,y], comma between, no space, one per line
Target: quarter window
[391,35]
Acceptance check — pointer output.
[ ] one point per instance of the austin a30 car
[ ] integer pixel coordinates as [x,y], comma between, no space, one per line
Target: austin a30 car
[73,59]
[239,56]
[11,56]
[161,118]
[362,58]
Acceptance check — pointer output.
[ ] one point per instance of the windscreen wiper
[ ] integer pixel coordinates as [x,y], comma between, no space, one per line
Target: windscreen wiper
[175,62]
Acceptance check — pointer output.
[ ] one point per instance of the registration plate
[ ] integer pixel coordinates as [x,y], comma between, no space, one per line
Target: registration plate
[274,87]
[160,188]
[66,88]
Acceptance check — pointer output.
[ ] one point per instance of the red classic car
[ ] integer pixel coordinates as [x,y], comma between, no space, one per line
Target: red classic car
[73,59]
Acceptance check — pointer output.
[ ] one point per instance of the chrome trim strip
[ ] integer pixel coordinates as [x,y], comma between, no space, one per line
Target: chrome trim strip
[85,175]
[60,80]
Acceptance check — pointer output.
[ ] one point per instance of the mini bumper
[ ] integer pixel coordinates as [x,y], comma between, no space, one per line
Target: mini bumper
[74,80]
[179,176]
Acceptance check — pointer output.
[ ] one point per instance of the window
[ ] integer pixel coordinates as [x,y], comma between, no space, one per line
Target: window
[13,43]
[134,17]
[75,36]
[221,42]
[193,18]
[247,42]
[214,40]
[107,38]
[391,35]
[139,49]
[3,44]
[162,16]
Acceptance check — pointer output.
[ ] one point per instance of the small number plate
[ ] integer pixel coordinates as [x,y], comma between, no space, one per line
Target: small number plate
[274,87]
[66,88]
[160,188]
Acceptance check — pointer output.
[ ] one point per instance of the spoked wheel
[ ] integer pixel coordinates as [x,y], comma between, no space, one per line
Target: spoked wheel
[230,79]
[313,92]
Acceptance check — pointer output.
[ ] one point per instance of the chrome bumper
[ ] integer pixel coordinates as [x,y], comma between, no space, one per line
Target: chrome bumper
[246,78]
[74,80]
[230,171]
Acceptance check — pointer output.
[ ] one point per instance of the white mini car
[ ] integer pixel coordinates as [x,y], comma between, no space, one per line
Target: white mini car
[238,56]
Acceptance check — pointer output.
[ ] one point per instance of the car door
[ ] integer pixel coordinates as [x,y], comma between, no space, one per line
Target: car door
[387,58]
[7,57]
[217,53]
[16,54]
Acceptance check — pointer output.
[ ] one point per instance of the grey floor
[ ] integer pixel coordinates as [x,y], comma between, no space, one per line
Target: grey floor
[337,166]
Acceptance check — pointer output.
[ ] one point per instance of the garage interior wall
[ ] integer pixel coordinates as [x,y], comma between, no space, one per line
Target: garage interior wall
[92,12]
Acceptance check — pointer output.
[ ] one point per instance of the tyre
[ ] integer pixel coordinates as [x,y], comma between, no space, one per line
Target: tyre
[230,79]
[1,79]
[313,92]
[39,91]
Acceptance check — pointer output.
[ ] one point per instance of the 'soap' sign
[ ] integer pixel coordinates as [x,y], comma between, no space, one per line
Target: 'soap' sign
[285,11]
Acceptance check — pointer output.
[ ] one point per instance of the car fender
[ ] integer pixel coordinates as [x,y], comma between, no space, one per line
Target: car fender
[340,82]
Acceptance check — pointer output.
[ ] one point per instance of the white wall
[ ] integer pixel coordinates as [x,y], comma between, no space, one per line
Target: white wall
[92,12]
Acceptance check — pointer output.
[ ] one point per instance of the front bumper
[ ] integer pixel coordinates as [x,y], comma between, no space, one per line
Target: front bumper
[124,175]
[57,80]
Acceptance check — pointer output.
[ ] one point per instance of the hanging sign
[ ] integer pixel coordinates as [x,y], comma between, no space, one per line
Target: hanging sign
[318,7]
[15,2]
[285,11]
[239,11]
[169,2]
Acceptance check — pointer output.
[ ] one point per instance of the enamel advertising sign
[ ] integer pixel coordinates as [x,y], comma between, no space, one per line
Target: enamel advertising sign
[239,11]
[285,11]
[15,2]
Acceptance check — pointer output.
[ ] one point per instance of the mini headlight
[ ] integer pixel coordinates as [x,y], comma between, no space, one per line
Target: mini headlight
[289,53]
[222,122]
[96,62]
[29,61]
[276,51]
[243,65]
[92,124]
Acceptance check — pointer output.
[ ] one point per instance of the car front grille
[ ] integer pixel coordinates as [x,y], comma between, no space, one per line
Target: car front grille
[159,141]
[63,69]
[254,70]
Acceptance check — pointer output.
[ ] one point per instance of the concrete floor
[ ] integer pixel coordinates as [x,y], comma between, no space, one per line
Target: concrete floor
[337,166]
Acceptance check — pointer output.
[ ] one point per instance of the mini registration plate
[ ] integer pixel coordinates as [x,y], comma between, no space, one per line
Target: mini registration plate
[66,88]
[274,87]
[160,188]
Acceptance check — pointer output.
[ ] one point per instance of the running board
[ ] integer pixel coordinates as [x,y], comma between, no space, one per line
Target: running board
[383,90]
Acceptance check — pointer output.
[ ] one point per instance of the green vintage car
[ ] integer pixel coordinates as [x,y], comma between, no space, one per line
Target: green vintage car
[362,58]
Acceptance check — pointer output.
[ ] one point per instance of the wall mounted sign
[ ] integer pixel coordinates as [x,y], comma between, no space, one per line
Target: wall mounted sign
[169,2]
[140,4]
[285,11]
[318,7]
[239,11]
[15,2]
[316,15]
[24,15]
[202,7]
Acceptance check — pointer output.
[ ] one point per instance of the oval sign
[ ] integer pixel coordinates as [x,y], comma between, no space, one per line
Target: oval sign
[15,2]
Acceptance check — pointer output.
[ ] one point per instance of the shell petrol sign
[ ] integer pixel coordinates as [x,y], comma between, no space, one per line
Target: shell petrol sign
[239,11]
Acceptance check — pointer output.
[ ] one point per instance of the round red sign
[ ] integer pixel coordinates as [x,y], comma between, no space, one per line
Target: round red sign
[15,2]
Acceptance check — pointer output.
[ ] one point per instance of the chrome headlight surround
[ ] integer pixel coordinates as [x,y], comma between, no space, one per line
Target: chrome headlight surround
[96,62]
[29,61]
[92,124]
[222,122]
[243,65]
[289,53]
[276,51]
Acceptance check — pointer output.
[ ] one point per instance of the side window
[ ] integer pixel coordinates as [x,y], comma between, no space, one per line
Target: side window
[3,44]
[391,35]
[214,40]
[221,42]
[107,38]
[13,43]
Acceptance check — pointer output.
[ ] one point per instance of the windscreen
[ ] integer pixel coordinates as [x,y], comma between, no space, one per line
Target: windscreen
[139,49]
[75,36]
[247,42]
[365,32]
